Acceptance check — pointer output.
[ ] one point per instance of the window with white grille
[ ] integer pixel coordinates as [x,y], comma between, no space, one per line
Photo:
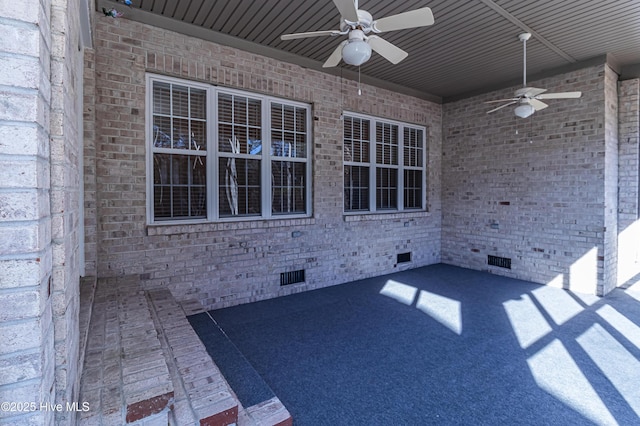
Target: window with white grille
[384,165]
[222,154]
[179,148]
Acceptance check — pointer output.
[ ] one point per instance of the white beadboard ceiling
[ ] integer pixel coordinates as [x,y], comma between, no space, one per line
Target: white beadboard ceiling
[473,46]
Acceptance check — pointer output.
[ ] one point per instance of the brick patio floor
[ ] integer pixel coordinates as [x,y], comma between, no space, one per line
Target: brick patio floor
[145,365]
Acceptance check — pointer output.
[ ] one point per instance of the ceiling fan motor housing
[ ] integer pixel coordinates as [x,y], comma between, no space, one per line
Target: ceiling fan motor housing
[364,22]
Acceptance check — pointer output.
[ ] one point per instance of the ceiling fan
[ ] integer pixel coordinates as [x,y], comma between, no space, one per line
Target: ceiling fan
[357,24]
[529,98]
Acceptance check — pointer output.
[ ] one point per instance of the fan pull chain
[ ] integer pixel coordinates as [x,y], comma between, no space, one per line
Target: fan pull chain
[341,95]
[530,129]
[359,90]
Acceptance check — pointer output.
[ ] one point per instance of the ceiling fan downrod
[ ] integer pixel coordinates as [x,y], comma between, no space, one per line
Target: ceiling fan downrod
[523,38]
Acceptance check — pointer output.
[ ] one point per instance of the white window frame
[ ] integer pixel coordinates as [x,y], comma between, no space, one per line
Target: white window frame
[212,155]
[400,167]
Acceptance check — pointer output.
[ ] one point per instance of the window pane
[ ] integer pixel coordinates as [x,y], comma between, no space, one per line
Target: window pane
[387,143]
[161,98]
[386,188]
[288,131]
[239,125]
[180,95]
[179,186]
[254,110]
[288,187]
[199,135]
[413,189]
[162,132]
[239,188]
[276,116]
[240,110]
[356,188]
[300,149]
[301,120]
[356,140]
[254,143]
[289,122]
[180,133]
[225,108]
[198,104]
[413,150]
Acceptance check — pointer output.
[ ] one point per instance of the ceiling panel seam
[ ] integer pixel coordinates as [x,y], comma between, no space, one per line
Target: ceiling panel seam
[528,29]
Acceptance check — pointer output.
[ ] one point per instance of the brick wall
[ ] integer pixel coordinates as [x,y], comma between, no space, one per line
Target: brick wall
[90,211]
[609,252]
[39,207]
[66,141]
[629,182]
[532,190]
[230,263]
[26,329]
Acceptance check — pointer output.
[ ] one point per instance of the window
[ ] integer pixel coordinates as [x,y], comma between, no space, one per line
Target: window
[384,165]
[221,154]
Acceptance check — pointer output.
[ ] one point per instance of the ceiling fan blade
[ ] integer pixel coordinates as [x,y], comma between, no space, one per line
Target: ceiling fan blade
[387,50]
[501,100]
[529,92]
[560,95]
[309,34]
[335,57]
[347,9]
[501,106]
[412,19]
[537,105]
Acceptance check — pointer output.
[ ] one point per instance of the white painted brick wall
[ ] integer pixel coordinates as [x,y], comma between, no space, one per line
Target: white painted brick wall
[610,246]
[226,264]
[629,183]
[26,332]
[66,71]
[39,152]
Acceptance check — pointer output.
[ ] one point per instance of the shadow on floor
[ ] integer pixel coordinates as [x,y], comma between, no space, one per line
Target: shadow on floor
[444,345]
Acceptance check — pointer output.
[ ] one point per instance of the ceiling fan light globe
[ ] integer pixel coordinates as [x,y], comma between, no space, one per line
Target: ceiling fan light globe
[524,111]
[356,52]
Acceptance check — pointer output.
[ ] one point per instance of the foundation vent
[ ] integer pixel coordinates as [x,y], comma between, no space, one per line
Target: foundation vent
[403,257]
[501,262]
[292,277]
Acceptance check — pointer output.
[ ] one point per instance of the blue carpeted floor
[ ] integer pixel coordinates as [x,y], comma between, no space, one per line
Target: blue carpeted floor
[439,345]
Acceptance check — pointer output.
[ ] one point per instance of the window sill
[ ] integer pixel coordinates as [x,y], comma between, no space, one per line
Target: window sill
[358,217]
[186,228]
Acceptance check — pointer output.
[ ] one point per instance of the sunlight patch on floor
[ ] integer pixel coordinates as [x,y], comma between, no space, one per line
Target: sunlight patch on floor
[403,293]
[558,304]
[555,371]
[622,324]
[446,311]
[526,320]
[620,367]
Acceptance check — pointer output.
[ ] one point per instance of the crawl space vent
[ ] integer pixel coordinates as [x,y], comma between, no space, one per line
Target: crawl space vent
[403,257]
[501,262]
[292,277]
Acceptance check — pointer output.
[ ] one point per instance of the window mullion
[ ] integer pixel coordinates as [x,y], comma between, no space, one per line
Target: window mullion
[423,194]
[308,154]
[373,146]
[400,177]
[212,154]
[265,170]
